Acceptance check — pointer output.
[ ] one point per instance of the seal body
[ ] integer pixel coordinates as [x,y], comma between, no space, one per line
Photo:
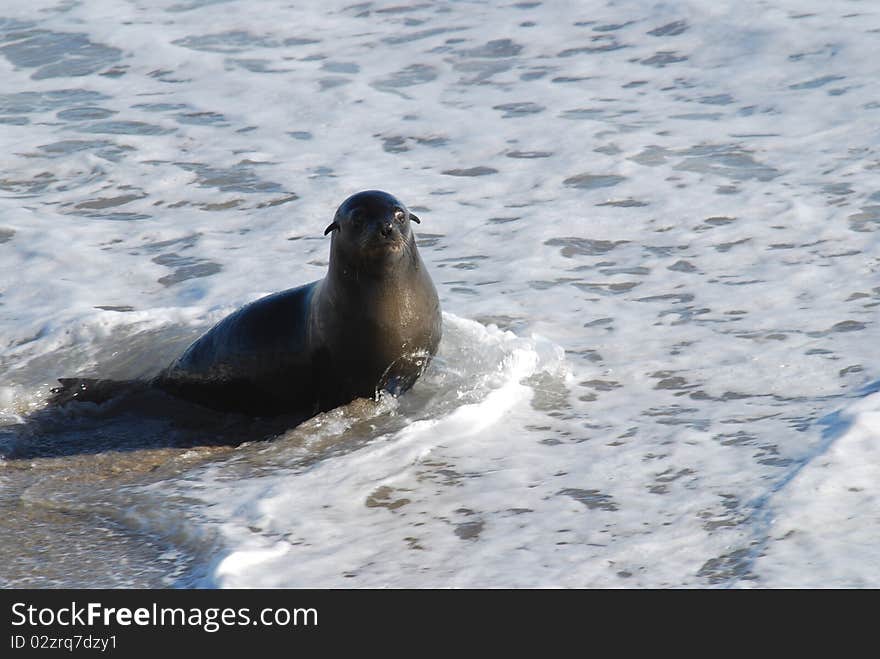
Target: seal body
[372,324]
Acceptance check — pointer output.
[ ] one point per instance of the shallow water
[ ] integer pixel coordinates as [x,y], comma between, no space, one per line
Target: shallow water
[653,229]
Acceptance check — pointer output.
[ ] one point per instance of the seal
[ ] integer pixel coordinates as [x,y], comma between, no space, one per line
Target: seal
[371,324]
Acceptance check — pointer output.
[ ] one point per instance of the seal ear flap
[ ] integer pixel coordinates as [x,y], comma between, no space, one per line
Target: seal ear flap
[414,218]
[333,227]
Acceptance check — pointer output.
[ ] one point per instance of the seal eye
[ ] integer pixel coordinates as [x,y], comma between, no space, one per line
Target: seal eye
[399,215]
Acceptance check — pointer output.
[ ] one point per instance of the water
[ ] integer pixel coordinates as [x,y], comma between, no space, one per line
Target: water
[654,232]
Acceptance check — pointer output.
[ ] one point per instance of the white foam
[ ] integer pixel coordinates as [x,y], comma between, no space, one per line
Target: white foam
[825,520]
[329,534]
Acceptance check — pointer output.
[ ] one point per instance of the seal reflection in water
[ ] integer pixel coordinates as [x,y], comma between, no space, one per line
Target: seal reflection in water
[371,324]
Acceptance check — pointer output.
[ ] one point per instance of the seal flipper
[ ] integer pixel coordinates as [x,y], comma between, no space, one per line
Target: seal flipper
[89,390]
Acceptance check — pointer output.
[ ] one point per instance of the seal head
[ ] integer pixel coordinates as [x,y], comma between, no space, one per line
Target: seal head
[371,230]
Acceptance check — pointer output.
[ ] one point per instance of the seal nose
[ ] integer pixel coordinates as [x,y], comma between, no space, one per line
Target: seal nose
[386,228]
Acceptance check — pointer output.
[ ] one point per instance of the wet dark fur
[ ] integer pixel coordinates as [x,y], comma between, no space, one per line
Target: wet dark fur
[372,323]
